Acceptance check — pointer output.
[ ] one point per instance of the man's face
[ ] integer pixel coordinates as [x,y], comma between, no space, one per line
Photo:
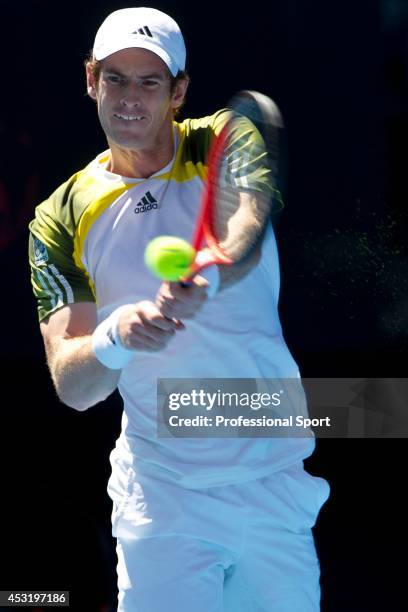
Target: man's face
[135,104]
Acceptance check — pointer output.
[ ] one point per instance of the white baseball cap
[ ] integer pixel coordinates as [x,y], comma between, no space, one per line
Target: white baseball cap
[146,28]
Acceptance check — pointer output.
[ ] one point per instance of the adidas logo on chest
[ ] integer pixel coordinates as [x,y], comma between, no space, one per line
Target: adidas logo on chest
[147,202]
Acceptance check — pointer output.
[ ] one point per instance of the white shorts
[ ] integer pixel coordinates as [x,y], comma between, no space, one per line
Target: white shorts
[239,548]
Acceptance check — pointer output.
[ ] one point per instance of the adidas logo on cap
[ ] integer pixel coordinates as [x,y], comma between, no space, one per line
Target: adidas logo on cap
[143,31]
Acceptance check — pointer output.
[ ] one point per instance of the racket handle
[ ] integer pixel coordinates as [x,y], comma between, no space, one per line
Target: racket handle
[212,275]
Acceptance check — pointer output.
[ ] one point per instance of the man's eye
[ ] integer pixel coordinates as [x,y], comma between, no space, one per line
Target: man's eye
[150,83]
[112,78]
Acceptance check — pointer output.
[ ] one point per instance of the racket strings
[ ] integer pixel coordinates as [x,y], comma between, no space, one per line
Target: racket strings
[241,190]
[242,178]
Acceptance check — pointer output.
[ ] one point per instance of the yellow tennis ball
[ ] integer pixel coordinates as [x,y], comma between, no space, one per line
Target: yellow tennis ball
[169,257]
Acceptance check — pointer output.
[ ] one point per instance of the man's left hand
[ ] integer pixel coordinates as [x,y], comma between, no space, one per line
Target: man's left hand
[178,302]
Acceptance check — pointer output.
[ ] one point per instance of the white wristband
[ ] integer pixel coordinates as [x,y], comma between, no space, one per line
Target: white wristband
[212,274]
[107,344]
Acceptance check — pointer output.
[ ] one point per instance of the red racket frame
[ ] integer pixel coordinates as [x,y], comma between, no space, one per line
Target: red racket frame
[204,232]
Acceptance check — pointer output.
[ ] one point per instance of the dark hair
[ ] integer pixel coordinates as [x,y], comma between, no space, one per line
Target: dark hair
[95,66]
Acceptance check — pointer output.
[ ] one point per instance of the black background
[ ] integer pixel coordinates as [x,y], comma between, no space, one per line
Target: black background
[338,70]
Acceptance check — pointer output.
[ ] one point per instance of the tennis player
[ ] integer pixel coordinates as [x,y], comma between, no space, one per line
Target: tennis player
[202,525]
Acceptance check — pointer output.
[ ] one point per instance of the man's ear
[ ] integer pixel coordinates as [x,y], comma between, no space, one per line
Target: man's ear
[179,93]
[91,83]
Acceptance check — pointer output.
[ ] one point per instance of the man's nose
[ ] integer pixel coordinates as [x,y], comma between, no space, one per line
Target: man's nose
[132,95]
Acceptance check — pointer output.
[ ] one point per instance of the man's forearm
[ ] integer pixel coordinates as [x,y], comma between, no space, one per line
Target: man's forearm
[229,275]
[79,378]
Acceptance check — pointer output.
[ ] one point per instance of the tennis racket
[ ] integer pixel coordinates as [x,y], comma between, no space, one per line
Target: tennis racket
[241,190]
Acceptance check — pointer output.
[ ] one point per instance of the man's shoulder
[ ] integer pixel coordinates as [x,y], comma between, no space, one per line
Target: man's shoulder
[67,203]
[197,135]
[195,127]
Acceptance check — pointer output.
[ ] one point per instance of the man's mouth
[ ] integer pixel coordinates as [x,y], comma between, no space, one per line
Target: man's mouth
[129,117]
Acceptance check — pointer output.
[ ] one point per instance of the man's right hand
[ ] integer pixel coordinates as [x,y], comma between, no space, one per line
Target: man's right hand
[80,379]
[143,327]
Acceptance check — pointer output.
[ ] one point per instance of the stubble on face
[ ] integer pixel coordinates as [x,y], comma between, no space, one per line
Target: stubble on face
[135,107]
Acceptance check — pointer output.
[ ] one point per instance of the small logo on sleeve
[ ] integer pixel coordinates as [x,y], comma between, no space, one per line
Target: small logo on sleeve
[40,252]
[110,335]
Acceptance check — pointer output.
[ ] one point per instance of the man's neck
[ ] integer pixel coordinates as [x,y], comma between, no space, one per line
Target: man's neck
[140,164]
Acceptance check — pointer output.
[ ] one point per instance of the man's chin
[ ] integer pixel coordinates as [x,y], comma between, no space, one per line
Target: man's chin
[128,143]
